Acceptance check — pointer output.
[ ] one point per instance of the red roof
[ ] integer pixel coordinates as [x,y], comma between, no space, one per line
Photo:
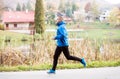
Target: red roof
[18,16]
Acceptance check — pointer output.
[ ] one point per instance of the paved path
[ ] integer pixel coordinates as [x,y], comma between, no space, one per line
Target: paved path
[86,73]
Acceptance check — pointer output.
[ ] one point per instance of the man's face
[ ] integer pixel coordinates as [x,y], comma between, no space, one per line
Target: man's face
[59,19]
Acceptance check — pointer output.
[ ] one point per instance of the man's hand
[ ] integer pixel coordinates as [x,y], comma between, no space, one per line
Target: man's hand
[53,38]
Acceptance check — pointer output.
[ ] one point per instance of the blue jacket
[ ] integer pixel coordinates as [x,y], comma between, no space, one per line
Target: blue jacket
[62,35]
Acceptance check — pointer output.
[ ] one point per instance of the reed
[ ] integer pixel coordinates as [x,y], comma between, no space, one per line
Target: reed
[43,50]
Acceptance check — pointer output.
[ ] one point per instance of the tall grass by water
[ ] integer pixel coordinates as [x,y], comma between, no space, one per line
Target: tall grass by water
[42,52]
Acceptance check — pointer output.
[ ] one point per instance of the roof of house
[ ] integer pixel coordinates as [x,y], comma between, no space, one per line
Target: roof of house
[18,16]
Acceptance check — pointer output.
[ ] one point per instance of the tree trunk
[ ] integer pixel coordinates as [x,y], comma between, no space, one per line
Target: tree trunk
[39,17]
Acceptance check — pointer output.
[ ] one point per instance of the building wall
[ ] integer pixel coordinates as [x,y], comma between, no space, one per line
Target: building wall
[27,28]
[16,26]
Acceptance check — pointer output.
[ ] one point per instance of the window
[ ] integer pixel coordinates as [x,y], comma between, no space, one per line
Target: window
[7,25]
[15,25]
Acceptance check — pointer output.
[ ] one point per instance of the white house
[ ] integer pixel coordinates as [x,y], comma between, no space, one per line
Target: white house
[19,21]
[104,15]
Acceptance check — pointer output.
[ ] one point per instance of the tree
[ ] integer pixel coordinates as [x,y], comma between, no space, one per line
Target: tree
[39,17]
[1,8]
[62,6]
[23,7]
[50,16]
[29,6]
[87,7]
[115,16]
[94,9]
[69,12]
[74,7]
[18,8]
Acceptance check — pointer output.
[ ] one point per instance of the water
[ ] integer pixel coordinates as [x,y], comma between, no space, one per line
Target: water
[24,47]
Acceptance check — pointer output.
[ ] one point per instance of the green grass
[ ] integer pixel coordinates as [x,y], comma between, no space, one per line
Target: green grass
[97,25]
[60,66]
[94,34]
[101,34]
[13,36]
[94,30]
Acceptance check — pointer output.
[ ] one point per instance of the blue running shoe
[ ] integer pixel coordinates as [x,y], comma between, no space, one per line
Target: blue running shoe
[51,71]
[83,62]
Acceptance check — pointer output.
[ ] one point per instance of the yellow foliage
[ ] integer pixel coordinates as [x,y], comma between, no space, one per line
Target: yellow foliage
[115,16]
[1,27]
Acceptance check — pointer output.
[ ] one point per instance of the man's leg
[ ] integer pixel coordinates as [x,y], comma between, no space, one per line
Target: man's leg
[56,55]
[68,56]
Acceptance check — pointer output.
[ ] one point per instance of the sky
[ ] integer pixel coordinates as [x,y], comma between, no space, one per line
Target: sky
[114,1]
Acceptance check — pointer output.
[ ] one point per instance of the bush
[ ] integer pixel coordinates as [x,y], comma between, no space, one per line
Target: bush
[1,27]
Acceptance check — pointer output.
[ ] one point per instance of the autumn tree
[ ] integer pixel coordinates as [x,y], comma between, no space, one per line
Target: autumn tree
[95,9]
[114,17]
[87,7]
[39,17]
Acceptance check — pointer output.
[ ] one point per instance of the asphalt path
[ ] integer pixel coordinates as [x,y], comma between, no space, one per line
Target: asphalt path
[85,73]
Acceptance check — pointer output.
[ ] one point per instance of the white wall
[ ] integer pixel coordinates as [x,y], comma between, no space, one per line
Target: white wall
[20,26]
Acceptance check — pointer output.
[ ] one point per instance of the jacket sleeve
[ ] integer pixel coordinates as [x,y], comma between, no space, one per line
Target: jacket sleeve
[62,32]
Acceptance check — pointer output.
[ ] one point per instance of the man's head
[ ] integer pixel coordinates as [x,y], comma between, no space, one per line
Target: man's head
[59,17]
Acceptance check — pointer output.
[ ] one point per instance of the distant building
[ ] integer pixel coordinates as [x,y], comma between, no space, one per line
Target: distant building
[104,15]
[19,21]
[79,15]
[66,18]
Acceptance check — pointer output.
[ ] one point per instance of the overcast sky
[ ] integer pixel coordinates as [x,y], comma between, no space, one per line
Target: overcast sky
[114,1]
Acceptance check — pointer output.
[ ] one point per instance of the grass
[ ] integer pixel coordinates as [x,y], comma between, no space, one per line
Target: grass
[13,36]
[94,30]
[87,48]
[60,66]
[102,34]
[97,25]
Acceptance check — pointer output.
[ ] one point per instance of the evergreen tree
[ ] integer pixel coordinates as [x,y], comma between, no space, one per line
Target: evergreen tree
[29,6]
[23,7]
[74,7]
[39,17]
[69,12]
[18,8]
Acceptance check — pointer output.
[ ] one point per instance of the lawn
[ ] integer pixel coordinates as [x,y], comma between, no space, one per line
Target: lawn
[60,66]
[12,35]
[94,30]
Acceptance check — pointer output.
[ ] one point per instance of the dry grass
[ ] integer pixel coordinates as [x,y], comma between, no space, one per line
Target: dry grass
[42,52]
